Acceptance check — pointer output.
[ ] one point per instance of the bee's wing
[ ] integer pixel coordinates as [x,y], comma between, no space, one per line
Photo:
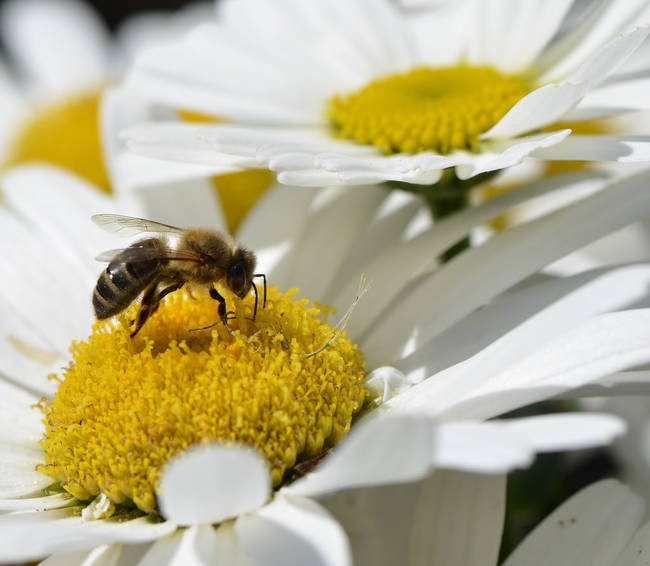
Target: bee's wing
[135,254]
[131,226]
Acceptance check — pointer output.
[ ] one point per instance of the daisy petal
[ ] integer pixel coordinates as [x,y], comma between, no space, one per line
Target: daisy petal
[591,527]
[197,545]
[499,154]
[37,503]
[454,286]
[480,448]
[104,555]
[565,431]
[624,383]
[449,517]
[395,266]
[349,211]
[603,345]
[209,484]
[26,358]
[627,148]
[605,20]
[636,550]
[31,536]
[537,310]
[128,171]
[549,103]
[463,520]
[273,241]
[62,44]
[509,35]
[293,531]
[379,451]
[612,99]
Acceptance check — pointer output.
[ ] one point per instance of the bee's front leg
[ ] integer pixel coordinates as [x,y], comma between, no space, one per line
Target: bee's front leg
[221,309]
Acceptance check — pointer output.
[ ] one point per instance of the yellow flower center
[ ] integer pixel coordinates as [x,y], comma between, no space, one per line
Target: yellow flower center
[64,134]
[426,109]
[125,406]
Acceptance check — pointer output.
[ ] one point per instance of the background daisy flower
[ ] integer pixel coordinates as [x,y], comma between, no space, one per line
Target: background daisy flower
[60,57]
[356,93]
[434,383]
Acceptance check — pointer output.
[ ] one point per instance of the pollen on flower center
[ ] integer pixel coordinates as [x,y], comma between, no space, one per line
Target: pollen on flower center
[125,406]
[426,109]
[64,134]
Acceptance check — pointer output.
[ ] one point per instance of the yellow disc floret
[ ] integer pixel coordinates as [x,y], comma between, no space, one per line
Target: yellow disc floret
[125,406]
[64,134]
[426,109]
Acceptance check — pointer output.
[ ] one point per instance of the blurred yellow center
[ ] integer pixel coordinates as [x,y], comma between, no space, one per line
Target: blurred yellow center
[125,406]
[426,109]
[64,134]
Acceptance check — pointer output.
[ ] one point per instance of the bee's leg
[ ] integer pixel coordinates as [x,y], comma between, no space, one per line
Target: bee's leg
[164,292]
[148,305]
[222,305]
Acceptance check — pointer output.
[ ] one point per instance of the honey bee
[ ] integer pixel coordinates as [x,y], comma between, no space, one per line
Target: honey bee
[160,265]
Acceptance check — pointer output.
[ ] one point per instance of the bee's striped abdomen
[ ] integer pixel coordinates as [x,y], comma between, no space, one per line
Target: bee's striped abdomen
[124,279]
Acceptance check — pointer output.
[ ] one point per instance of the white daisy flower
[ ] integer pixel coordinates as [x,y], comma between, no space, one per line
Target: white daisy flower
[60,58]
[439,365]
[359,92]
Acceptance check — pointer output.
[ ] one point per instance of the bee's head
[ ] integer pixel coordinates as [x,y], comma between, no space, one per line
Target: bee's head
[240,272]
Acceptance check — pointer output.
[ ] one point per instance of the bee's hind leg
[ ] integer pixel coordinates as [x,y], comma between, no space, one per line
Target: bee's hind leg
[147,306]
[151,301]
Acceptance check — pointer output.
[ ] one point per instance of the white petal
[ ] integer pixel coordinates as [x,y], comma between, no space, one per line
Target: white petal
[33,535]
[36,503]
[459,520]
[348,211]
[605,20]
[613,98]
[636,550]
[389,271]
[380,451]
[452,293]
[509,35]
[35,191]
[274,241]
[590,528]
[60,44]
[480,448]
[503,446]
[293,531]
[624,383]
[128,171]
[626,148]
[26,357]
[565,431]
[541,311]
[549,103]
[499,154]
[448,518]
[104,555]
[209,484]
[197,545]
[481,388]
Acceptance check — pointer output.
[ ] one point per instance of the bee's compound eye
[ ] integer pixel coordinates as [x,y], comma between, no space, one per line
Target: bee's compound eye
[237,278]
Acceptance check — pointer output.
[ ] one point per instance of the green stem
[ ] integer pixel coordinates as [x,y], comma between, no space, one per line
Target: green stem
[447,196]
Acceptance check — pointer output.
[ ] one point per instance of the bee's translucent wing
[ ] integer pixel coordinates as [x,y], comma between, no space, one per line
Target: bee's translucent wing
[134,254]
[131,226]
